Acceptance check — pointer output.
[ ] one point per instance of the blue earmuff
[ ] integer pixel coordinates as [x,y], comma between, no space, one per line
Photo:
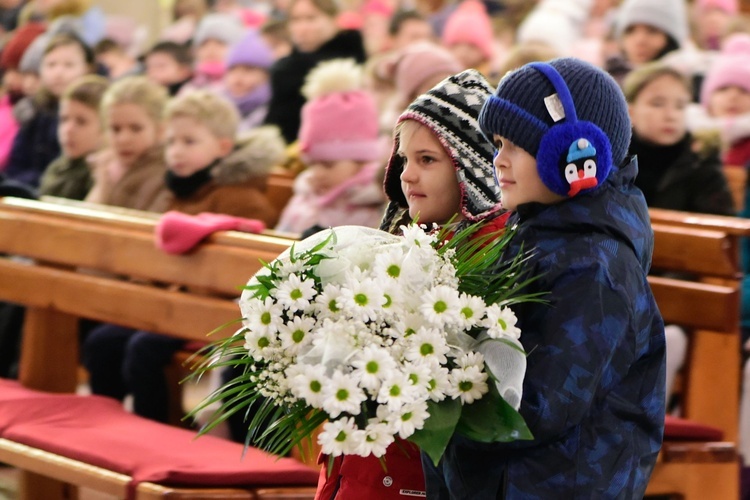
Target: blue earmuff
[574,155]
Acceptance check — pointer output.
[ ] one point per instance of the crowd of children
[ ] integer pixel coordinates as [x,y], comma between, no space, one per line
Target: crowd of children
[195,121]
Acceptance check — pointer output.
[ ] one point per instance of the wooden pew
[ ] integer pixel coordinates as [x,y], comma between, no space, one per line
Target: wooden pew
[737,180]
[705,250]
[90,262]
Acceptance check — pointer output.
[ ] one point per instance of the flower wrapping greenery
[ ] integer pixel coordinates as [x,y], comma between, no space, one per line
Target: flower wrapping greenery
[375,336]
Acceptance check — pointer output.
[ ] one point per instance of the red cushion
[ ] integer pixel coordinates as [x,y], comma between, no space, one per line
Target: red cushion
[97,431]
[687,430]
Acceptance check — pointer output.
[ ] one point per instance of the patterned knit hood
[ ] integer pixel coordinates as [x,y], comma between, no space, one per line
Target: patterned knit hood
[450,111]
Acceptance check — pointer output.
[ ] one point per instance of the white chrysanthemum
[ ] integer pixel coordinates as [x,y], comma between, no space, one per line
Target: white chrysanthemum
[377,437]
[416,235]
[340,437]
[372,366]
[295,334]
[396,391]
[363,299]
[261,345]
[439,383]
[471,358]
[419,374]
[468,384]
[440,305]
[263,316]
[389,264]
[501,321]
[288,267]
[426,343]
[295,293]
[411,323]
[329,302]
[471,310]
[407,419]
[343,395]
[307,382]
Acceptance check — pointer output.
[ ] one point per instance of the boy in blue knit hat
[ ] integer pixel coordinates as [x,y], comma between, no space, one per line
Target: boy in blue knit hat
[593,394]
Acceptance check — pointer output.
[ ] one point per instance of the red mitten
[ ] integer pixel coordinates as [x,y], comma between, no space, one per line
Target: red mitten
[179,233]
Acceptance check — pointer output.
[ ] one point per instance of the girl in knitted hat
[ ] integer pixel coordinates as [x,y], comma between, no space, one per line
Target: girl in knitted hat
[725,100]
[593,393]
[646,31]
[439,170]
[339,142]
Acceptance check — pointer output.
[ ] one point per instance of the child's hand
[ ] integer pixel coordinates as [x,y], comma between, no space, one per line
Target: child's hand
[100,164]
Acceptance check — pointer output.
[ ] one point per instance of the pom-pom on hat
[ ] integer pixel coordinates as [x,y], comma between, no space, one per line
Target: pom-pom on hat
[251,50]
[339,121]
[450,110]
[217,26]
[470,24]
[546,119]
[731,67]
[668,16]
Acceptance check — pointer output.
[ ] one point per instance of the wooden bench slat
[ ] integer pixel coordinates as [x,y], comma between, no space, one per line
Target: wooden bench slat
[697,305]
[698,251]
[735,226]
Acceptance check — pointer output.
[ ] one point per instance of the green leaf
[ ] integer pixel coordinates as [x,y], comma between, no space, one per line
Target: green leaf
[491,419]
[433,438]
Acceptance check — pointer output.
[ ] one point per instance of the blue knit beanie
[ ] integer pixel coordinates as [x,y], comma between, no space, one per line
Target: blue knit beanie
[522,109]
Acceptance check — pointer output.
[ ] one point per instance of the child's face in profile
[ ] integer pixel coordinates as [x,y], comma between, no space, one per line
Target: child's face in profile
[518,177]
[240,80]
[79,129]
[428,178]
[729,101]
[164,69]
[61,66]
[191,146]
[131,132]
[658,111]
[326,175]
[641,43]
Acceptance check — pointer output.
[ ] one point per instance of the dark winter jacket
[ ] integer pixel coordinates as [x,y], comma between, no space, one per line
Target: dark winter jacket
[593,394]
[67,178]
[288,74]
[35,145]
[678,178]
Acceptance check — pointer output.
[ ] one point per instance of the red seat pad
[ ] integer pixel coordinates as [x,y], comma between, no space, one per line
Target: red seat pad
[97,431]
[681,429]
[19,404]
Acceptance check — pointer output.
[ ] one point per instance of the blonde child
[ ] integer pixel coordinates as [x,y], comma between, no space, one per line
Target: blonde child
[339,143]
[593,392]
[440,169]
[208,171]
[80,133]
[209,168]
[65,58]
[130,172]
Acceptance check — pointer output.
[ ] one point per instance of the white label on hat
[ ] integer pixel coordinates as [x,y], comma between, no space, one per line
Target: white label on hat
[554,107]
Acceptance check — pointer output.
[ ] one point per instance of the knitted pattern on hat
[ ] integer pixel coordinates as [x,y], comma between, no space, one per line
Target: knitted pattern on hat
[518,111]
[731,67]
[450,111]
[669,16]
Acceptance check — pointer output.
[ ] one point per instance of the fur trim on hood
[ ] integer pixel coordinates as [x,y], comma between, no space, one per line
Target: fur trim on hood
[255,153]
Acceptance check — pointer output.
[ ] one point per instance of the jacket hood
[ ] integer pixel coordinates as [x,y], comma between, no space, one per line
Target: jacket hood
[255,153]
[617,210]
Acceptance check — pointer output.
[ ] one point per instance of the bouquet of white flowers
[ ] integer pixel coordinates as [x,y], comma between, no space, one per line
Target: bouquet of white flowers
[375,336]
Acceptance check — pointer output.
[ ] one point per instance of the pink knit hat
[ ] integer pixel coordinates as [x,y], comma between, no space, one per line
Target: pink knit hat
[340,119]
[415,64]
[728,6]
[731,67]
[178,233]
[469,23]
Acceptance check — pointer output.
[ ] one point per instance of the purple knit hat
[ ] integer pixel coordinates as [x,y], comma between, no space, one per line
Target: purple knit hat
[251,50]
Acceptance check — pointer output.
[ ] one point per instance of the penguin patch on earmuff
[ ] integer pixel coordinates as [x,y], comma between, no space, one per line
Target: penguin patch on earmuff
[579,167]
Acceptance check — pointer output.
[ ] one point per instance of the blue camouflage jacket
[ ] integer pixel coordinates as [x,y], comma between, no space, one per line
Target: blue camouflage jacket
[593,393]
